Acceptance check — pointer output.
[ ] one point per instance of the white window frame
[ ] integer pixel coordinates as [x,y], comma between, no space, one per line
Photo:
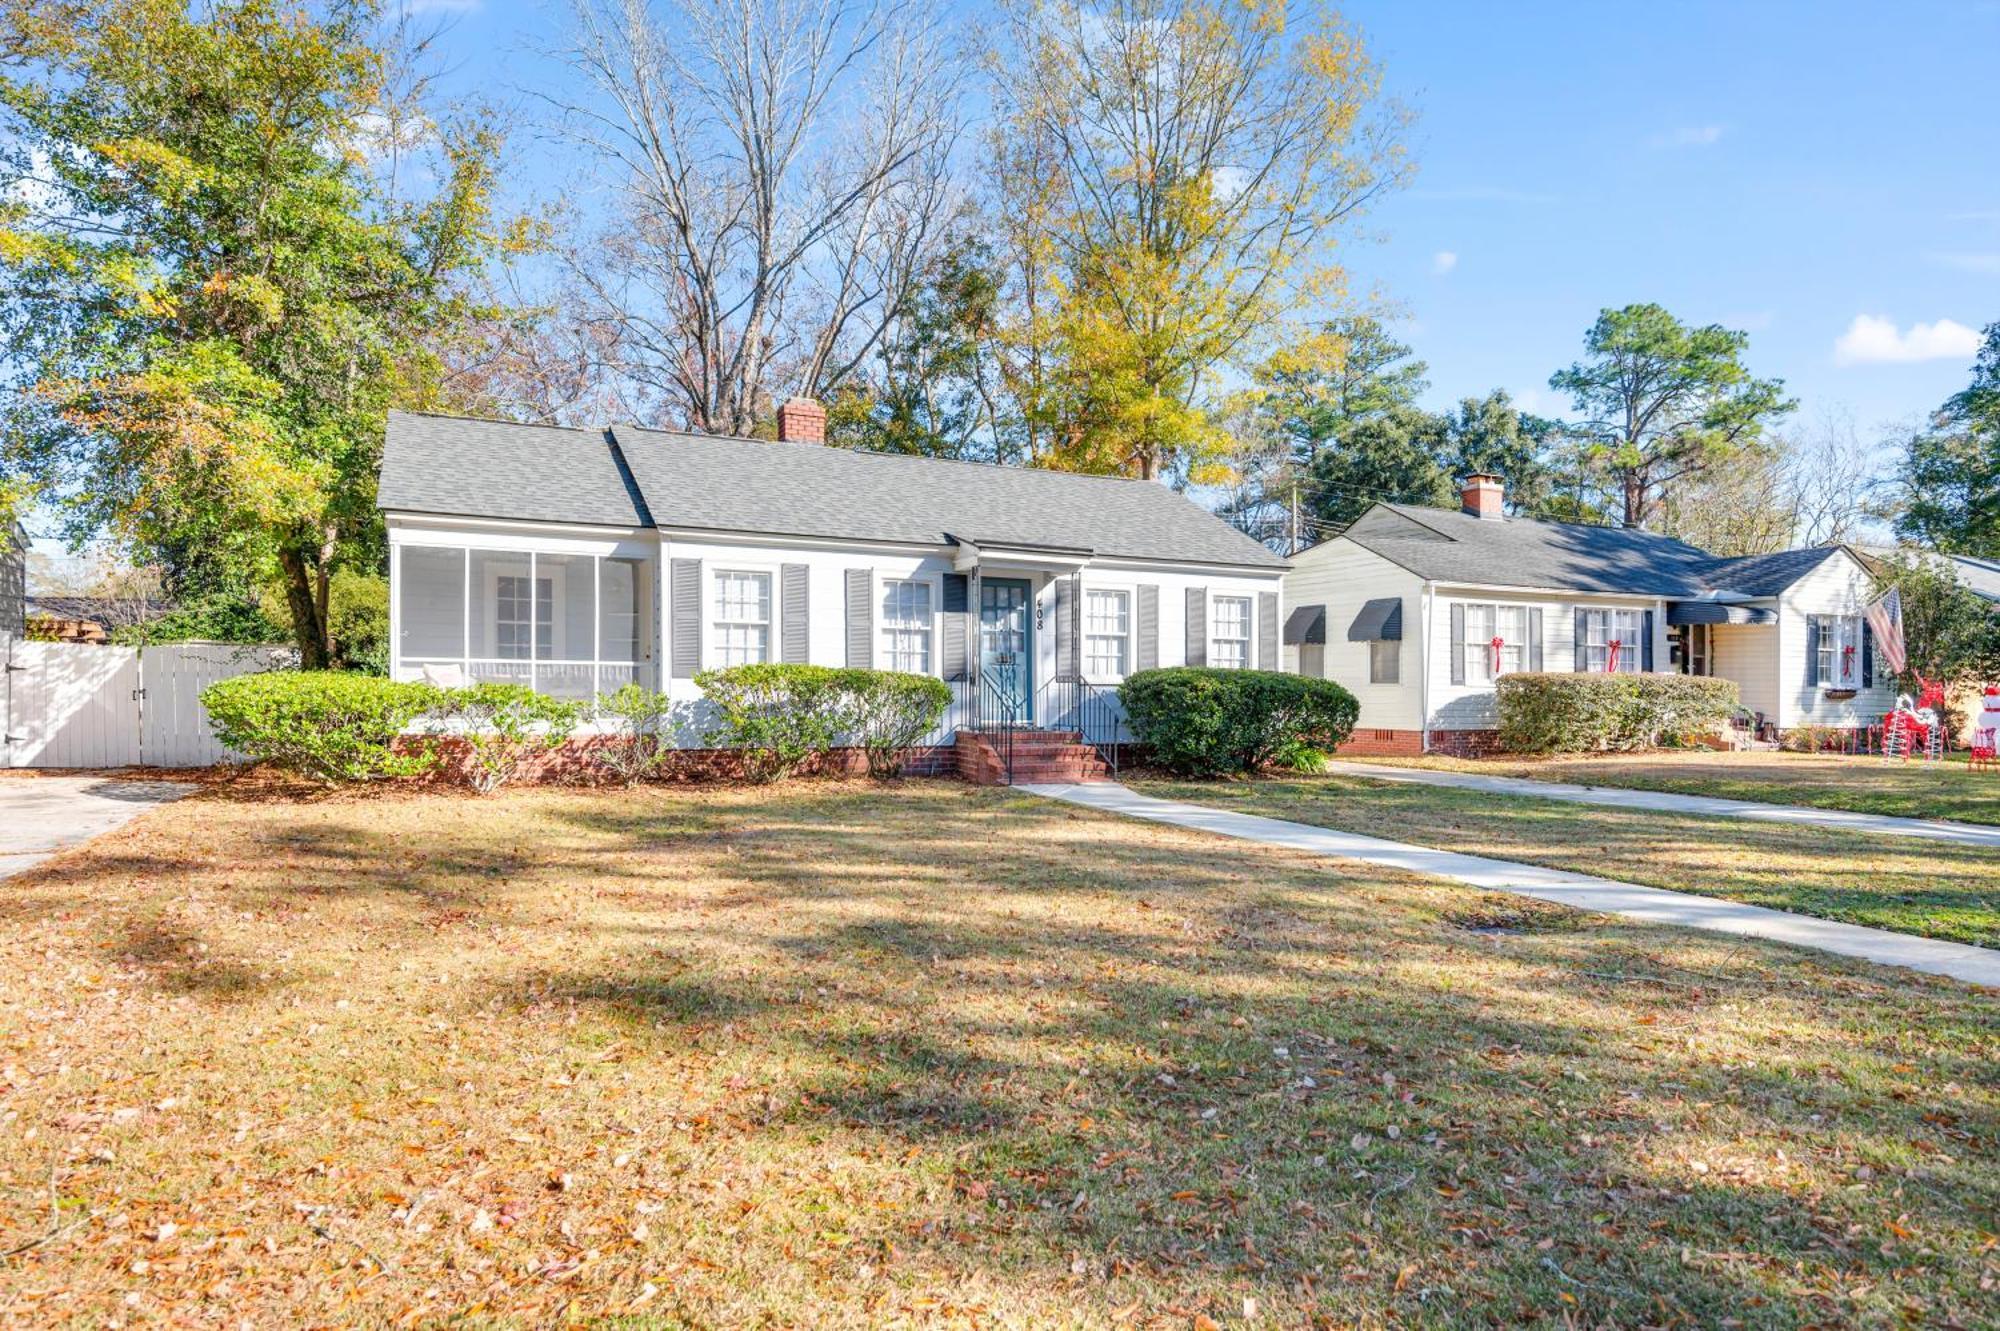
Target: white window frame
[1130,636]
[711,610]
[1249,600]
[1478,646]
[1845,631]
[878,655]
[1631,650]
[1394,652]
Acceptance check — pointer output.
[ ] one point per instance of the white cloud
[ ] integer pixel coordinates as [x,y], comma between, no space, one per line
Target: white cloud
[1870,340]
[1443,262]
[1971,263]
[1687,136]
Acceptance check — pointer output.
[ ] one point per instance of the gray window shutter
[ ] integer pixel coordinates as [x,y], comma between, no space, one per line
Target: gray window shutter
[1457,643]
[684,591]
[1069,611]
[1534,637]
[1197,626]
[795,640]
[1267,630]
[1149,626]
[1582,662]
[860,617]
[1867,656]
[1812,651]
[956,594]
[1646,632]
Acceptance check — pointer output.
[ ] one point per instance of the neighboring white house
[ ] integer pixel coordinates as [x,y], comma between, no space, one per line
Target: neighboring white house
[1418,610]
[576,560]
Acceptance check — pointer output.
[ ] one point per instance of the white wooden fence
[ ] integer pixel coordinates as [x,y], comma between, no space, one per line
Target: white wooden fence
[67,704]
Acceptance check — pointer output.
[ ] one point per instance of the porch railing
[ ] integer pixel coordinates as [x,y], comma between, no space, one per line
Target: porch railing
[1092,710]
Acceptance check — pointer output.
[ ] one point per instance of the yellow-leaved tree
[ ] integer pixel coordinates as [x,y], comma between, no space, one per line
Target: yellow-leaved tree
[1169,183]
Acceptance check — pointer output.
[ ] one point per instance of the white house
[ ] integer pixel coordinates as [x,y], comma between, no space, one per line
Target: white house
[1418,610]
[576,560]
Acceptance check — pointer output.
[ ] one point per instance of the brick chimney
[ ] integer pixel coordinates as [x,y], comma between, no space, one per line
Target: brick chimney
[803,421]
[1482,496]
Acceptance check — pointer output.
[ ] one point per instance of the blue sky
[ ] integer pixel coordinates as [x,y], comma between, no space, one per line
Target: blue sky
[1786,169]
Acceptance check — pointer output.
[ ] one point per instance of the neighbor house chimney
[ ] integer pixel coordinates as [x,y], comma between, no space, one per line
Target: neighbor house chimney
[1482,496]
[802,421]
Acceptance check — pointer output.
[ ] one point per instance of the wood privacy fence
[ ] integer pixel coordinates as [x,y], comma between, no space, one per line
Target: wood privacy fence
[68,704]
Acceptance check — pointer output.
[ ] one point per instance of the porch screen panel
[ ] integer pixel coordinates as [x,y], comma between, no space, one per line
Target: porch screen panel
[573,611]
[621,609]
[511,608]
[431,585]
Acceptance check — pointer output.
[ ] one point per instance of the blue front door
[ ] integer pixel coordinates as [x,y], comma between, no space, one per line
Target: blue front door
[1007,644]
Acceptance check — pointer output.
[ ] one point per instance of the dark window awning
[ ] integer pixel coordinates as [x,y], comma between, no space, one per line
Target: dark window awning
[1380,620]
[1717,612]
[1306,624]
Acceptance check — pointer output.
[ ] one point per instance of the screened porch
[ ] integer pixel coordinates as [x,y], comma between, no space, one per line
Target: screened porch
[568,625]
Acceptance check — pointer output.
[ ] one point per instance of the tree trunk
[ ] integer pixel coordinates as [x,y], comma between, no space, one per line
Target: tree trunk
[1635,497]
[307,602]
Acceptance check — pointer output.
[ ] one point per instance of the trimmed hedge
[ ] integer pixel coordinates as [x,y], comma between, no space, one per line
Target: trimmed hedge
[1589,713]
[787,718]
[325,724]
[1200,721]
[503,726]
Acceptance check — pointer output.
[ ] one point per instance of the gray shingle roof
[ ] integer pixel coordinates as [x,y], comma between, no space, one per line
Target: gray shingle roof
[1446,545]
[633,477]
[726,484]
[1981,575]
[498,469]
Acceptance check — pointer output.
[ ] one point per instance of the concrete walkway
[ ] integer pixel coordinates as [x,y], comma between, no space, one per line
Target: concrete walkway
[1961,961]
[1659,801]
[42,815]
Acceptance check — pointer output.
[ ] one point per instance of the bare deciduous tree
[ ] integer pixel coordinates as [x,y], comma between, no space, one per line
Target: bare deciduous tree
[781,171]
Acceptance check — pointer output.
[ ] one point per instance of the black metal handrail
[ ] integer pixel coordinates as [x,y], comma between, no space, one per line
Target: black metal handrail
[999,709]
[1070,702]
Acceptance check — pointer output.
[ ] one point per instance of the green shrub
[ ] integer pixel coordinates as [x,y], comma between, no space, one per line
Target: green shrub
[325,724]
[1588,713]
[224,618]
[1199,721]
[887,711]
[502,726]
[638,728]
[784,718]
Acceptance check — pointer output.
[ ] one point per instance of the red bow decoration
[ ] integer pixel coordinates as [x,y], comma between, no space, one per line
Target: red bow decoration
[1611,656]
[1847,662]
[1496,645]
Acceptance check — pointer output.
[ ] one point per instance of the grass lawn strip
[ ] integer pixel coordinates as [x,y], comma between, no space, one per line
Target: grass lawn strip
[847,1056]
[1933,889]
[1858,784]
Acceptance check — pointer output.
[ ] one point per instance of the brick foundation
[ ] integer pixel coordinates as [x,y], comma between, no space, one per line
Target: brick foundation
[1368,743]
[572,763]
[1467,743]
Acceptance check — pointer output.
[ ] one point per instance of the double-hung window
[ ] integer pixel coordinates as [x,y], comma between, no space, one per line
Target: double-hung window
[1107,633]
[906,626]
[1385,661]
[1601,628]
[1839,664]
[1486,624]
[1229,639]
[742,617]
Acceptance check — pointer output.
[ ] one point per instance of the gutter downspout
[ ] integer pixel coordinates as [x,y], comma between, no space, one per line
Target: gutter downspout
[1424,680]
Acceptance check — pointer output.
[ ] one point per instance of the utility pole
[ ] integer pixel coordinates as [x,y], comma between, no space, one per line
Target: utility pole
[1294,546]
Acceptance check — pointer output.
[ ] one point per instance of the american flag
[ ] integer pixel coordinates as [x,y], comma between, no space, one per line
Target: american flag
[1886,618]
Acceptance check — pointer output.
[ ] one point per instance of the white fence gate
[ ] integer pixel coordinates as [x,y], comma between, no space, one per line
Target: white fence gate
[69,704]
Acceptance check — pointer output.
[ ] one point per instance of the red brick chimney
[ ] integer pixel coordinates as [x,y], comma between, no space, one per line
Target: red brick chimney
[802,421]
[1483,495]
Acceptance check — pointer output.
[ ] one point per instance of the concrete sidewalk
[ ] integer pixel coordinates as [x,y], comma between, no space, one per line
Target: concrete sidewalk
[1659,801]
[44,814]
[1977,965]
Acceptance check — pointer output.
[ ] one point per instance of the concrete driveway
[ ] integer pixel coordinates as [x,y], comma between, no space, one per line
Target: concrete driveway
[42,815]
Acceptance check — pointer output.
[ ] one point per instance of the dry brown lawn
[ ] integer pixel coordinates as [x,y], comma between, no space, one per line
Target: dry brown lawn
[833,1054]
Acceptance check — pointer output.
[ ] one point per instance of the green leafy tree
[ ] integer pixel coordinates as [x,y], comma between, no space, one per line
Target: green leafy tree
[1171,174]
[1950,473]
[929,390]
[1950,633]
[1661,401]
[210,297]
